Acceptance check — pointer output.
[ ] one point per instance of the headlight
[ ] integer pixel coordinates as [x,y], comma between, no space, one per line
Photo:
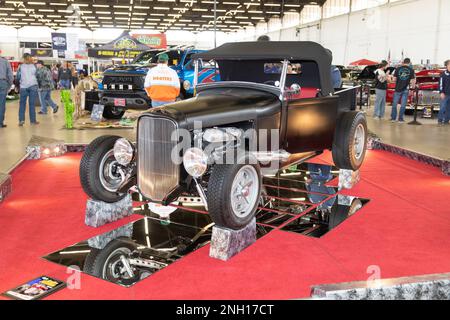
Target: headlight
[195,162]
[123,151]
[186,84]
[220,135]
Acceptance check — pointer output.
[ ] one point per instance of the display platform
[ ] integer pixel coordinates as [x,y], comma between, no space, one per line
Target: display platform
[302,198]
[402,232]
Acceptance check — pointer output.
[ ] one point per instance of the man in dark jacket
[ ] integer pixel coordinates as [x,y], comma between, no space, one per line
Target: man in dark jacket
[444,90]
[404,76]
[65,76]
[6,80]
[46,85]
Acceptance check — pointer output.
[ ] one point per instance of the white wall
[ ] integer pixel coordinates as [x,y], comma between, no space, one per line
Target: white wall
[419,28]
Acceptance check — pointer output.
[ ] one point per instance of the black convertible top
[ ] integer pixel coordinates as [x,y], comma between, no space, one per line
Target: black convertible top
[276,50]
[255,50]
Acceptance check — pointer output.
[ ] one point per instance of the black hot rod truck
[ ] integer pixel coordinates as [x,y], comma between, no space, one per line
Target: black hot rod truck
[282,87]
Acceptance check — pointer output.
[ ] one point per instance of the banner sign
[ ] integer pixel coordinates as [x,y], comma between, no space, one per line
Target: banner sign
[124,47]
[73,45]
[42,53]
[61,54]
[59,41]
[154,41]
[109,54]
[81,55]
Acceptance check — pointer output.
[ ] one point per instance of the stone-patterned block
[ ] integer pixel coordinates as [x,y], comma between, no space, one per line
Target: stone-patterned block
[427,287]
[446,167]
[226,243]
[348,178]
[73,147]
[42,147]
[101,241]
[373,143]
[5,185]
[99,213]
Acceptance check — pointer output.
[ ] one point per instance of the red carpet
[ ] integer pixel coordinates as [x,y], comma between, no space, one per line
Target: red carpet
[405,230]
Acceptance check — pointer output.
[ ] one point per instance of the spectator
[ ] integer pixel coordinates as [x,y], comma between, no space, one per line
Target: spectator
[65,76]
[162,83]
[45,83]
[380,90]
[336,77]
[28,89]
[444,90]
[86,83]
[74,78]
[404,76]
[6,80]
[55,73]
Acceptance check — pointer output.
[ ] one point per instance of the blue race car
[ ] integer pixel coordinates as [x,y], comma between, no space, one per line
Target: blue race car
[123,86]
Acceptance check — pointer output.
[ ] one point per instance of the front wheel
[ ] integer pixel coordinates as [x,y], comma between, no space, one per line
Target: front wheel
[233,194]
[100,172]
[350,141]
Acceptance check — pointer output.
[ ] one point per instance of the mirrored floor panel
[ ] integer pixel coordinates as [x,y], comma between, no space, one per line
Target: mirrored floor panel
[137,250]
[326,216]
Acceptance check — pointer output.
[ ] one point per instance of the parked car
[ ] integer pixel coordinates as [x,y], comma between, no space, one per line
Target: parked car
[281,87]
[123,86]
[427,97]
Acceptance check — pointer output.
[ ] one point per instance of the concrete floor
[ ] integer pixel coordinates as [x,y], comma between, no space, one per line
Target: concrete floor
[428,138]
[14,139]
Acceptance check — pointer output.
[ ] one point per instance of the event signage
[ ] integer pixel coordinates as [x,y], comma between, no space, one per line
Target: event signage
[109,54]
[42,53]
[61,54]
[155,41]
[59,41]
[124,47]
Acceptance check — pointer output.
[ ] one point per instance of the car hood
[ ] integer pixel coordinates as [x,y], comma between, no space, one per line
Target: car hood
[133,68]
[217,107]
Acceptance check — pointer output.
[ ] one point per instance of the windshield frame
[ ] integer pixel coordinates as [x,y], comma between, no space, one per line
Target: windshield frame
[155,53]
[282,80]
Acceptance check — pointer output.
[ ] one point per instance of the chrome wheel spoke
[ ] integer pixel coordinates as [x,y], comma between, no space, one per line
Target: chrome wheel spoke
[244,191]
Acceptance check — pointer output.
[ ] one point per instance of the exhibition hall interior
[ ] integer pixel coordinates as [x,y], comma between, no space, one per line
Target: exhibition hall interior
[225,150]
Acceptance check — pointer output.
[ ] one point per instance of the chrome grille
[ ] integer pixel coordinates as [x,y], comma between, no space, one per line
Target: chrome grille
[157,173]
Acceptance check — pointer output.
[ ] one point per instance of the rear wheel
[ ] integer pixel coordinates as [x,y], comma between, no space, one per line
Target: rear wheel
[108,263]
[100,172]
[350,141]
[113,113]
[233,194]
